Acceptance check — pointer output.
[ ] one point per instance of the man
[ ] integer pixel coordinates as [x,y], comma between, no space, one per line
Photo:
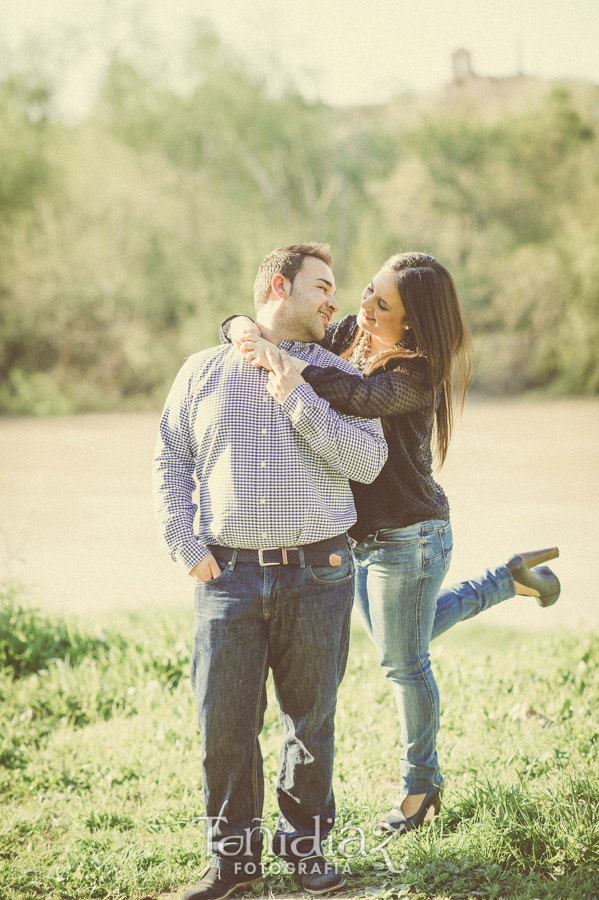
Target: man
[272,566]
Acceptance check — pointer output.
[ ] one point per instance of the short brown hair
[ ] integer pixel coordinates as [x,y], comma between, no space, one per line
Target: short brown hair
[286,261]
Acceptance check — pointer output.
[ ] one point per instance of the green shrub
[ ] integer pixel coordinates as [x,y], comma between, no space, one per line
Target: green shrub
[29,639]
[126,238]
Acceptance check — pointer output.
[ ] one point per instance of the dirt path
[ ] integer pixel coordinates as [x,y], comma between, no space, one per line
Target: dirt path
[76,519]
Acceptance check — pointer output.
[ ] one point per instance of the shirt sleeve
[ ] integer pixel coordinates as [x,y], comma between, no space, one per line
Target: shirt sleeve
[173,478]
[387,394]
[354,447]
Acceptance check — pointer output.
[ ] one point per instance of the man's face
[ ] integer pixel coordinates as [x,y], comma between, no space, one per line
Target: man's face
[310,304]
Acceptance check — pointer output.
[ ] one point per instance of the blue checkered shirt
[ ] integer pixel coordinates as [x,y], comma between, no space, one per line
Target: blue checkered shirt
[268,475]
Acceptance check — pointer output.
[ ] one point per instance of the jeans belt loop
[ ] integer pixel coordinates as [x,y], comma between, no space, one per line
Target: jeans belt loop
[233,561]
[302,558]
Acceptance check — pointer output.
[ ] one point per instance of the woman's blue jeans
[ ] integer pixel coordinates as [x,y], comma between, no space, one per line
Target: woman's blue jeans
[398,579]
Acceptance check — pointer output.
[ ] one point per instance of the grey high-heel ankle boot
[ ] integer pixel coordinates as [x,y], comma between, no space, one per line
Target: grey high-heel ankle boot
[534,580]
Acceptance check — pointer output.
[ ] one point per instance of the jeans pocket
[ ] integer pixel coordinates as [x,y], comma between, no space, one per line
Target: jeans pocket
[200,584]
[400,537]
[400,542]
[333,574]
[446,537]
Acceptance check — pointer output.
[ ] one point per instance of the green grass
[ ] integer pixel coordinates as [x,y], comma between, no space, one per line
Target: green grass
[100,783]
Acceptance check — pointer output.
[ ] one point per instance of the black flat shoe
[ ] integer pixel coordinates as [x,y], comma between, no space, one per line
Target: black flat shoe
[539,582]
[429,808]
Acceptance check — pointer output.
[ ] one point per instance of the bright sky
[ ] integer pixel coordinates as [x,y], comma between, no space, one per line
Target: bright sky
[342,51]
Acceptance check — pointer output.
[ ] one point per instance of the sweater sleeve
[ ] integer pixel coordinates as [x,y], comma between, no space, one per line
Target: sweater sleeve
[338,335]
[392,393]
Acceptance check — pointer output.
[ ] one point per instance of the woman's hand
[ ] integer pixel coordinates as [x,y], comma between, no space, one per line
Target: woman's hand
[241,327]
[283,377]
[254,349]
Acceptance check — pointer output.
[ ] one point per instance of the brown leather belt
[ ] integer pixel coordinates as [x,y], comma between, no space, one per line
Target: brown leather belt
[320,553]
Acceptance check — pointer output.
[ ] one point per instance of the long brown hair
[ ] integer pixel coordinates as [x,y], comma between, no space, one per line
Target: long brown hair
[438,335]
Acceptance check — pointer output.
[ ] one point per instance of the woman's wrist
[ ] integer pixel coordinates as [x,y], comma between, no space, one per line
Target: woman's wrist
[242,325]
[299,365]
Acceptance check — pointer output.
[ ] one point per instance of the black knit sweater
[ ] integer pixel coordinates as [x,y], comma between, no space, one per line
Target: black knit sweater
[404,492]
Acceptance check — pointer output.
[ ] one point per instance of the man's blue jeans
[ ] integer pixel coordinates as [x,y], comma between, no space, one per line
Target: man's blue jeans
[398,578]
[296,622]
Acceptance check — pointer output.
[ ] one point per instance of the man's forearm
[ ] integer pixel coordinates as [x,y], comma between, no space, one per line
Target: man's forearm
[354,447]
[173,479]
[176,512]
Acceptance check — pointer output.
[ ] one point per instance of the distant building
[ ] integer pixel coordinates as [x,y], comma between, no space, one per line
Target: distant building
[462,66]
[467,85]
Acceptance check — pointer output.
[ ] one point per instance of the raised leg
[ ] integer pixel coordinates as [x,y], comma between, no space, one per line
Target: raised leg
[469,598]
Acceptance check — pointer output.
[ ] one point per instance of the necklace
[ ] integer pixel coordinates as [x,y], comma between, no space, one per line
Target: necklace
[360,356]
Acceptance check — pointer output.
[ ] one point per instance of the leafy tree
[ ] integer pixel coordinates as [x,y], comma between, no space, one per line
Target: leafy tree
[126,238]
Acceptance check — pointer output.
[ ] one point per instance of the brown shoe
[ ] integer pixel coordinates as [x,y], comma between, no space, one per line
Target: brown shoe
[317,876]
[216,884]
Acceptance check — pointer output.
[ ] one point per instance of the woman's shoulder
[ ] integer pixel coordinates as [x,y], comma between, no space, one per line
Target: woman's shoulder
[339,334]
[415,366]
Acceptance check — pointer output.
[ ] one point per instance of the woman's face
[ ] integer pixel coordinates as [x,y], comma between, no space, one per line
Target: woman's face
[382,313]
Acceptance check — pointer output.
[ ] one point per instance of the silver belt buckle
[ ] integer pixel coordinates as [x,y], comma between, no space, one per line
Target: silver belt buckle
[261,558]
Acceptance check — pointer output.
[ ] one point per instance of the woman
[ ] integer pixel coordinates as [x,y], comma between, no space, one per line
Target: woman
[407,342]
